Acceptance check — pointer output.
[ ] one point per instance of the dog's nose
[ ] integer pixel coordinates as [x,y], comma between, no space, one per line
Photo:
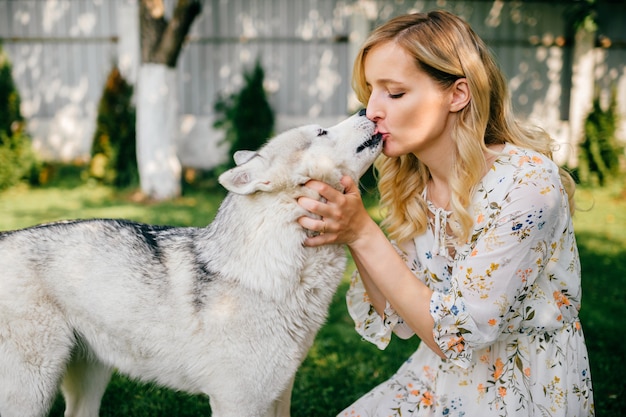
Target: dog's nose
[362,112]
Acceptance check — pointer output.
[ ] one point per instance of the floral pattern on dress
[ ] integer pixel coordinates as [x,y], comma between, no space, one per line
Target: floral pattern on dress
[505,308]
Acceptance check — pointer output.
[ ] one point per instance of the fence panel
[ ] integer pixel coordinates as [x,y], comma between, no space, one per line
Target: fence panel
[62,51]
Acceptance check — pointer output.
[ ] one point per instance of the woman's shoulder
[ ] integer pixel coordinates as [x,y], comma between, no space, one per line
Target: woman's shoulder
[516,160]
[518,154]
[519,168]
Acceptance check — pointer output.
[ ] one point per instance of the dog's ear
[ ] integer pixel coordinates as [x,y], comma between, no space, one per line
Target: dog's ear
[241,157]
[246,178]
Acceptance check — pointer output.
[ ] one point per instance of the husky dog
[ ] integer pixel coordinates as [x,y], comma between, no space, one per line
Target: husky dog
[229,310]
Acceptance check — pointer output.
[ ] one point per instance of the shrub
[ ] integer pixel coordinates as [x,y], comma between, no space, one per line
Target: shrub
[599,152]
[113,151]
[17,159]
[246,116]
[9,98]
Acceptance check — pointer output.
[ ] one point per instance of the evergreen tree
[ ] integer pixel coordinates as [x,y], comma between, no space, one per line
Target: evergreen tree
[599,156]
[17,159]
[113,152]
[246,115]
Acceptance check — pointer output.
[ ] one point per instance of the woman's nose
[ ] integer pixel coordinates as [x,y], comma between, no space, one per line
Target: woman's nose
[372,113]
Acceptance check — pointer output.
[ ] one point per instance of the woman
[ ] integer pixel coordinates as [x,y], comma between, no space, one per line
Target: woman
[482,265]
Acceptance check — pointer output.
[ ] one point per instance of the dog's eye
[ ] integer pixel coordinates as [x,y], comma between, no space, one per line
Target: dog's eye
[321,132]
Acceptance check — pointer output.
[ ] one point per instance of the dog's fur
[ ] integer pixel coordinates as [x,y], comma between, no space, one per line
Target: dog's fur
[229,310]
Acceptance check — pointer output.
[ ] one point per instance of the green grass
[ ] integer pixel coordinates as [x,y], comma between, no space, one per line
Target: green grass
[601,232]
[341,367]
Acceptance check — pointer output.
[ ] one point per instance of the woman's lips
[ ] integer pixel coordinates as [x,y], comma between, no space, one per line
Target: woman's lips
[382,132]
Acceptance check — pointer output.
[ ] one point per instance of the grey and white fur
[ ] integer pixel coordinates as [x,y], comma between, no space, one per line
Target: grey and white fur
[229,310]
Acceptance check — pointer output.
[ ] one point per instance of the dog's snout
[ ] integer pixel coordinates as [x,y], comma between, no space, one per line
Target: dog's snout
[362,112]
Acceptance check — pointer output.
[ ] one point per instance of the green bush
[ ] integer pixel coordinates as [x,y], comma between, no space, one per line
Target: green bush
[246,116]
[17,159]
[599,152]
[113,151]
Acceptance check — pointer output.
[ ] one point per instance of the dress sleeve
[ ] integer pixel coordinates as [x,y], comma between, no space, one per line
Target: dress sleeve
[368,323]
[517,230]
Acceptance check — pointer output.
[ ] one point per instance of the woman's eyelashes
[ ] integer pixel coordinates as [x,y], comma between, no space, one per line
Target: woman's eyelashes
[397,95]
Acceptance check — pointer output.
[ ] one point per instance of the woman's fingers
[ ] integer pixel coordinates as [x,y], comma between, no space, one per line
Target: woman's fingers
[337,212]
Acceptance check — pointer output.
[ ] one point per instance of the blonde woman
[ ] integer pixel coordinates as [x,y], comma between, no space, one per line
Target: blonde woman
[482,265]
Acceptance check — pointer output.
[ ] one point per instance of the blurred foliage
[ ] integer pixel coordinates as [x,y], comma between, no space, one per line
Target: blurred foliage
[582,14]
[600,151]
[9,97]
[17,159]
[246,115]
[113,151]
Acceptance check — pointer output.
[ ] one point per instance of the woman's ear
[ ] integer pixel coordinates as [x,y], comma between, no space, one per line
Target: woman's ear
[460,95]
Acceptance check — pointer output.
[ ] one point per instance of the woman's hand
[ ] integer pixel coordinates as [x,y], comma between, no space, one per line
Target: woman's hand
[343,215]
[383,271]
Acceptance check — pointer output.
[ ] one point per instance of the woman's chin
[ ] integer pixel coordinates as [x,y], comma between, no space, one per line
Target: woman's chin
[390,152]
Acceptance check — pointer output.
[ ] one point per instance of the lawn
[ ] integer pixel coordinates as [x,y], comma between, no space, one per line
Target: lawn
[340,367]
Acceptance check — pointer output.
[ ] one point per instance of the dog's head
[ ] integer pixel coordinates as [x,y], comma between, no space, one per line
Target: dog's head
[309,152]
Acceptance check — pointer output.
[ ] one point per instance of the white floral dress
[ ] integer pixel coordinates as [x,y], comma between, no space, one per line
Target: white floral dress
[505,308]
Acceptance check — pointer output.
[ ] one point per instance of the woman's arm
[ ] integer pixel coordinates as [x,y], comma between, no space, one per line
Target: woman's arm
[385,275]
[381,267]
[376,298]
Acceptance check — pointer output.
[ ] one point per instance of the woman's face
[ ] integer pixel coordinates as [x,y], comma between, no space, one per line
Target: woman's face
[411,110]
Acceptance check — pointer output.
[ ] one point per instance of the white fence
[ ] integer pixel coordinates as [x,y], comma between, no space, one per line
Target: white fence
[62,51]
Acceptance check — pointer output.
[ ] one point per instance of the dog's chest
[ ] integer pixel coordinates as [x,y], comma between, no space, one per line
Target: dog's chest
[318,281]
[323,267]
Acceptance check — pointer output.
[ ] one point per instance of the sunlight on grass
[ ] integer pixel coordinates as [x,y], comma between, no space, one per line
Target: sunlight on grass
[21,206]
[602,212]
[600,224]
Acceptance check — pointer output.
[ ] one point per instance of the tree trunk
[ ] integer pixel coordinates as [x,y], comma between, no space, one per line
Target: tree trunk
[583,83]
[157,102]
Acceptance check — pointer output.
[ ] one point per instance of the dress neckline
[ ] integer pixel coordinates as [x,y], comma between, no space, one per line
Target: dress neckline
[439,224]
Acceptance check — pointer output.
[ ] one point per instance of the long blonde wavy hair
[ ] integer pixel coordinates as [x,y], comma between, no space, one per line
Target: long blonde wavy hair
[446,48]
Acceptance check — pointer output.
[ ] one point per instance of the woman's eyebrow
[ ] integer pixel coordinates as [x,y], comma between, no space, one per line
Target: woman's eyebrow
[386,82]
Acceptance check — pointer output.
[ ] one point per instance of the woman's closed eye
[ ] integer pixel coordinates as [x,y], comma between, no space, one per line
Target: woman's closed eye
[396,95]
